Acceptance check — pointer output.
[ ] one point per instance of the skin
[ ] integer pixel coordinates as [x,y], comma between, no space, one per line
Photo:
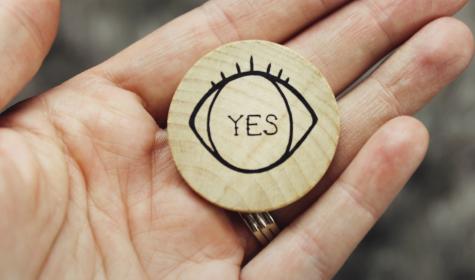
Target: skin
[88,188]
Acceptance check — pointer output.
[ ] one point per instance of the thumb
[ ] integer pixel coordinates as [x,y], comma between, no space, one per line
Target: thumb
[27,30]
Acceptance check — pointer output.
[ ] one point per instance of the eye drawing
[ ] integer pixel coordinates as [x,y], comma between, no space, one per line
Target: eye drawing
[243,128]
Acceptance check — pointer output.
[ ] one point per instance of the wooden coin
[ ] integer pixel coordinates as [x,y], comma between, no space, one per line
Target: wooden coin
[253,126]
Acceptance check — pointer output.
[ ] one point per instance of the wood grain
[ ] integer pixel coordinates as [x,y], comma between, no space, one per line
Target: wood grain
[253,126]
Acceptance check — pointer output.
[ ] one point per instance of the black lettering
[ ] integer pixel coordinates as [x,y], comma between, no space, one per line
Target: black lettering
[271,122]
[249,124]
[236,128]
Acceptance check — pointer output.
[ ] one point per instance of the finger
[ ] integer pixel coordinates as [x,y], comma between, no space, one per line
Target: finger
[27,30]
[319,242]
[429,61]
[154,66]
[343,46]
[347,43]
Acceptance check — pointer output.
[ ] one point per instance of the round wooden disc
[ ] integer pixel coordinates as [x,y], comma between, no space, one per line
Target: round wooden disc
[253,126]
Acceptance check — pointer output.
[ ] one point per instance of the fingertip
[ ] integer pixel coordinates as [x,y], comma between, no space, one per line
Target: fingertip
[404,139]
[386,162]
[448,45]
[428,62]
[27,33]
[44,16]
[467,34]
[454,5]
[394,152]
[461,38]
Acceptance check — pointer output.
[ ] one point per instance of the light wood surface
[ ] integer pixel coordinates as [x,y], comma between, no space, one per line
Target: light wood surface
[253,126]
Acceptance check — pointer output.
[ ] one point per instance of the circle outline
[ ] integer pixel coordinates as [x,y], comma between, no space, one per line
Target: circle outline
[274,80]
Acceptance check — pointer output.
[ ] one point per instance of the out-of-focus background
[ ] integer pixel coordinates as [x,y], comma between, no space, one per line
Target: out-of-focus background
[428,233]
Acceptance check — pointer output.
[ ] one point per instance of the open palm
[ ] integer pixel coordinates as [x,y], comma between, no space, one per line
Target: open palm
[88,187]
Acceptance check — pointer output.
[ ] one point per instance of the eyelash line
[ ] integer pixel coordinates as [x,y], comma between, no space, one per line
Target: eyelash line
[251,64]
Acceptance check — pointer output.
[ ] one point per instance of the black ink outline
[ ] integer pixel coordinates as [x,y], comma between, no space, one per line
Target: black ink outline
[275,80]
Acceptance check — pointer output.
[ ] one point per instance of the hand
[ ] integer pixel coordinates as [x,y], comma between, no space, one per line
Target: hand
[89,190]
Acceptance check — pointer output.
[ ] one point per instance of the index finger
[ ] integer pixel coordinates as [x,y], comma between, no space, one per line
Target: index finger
[154,66]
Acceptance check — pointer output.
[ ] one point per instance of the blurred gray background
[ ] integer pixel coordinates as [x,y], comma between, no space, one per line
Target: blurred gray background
[428,233]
